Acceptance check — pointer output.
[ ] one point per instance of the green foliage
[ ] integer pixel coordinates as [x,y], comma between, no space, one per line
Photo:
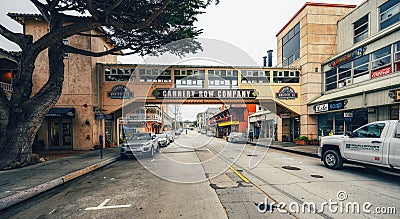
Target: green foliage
[302,138]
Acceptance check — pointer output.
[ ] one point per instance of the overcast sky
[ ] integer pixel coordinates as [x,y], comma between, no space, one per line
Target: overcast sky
[249,25]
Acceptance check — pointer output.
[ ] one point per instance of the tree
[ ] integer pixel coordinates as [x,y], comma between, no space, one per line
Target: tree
[142,26]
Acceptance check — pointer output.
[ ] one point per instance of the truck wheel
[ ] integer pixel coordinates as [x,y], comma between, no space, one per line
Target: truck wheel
[332,159]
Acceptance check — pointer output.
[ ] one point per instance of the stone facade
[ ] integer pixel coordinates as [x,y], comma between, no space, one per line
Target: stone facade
[318,42]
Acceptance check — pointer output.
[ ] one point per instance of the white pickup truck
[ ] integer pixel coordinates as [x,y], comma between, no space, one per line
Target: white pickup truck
[376,143]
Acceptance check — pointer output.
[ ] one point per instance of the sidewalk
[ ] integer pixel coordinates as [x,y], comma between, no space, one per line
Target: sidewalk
[306,150]
[20,184]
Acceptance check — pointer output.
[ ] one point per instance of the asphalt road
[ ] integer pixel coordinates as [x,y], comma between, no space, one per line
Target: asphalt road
[202,177]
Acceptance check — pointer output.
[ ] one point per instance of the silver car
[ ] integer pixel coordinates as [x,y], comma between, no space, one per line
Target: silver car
[138,144]
[162,140]
[170,136]
[236,137]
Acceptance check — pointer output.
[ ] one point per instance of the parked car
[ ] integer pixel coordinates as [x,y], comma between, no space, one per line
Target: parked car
[376,144]
[138,144]
[162,140]
[203,131]
[236,137]
[170,136]
[210,134]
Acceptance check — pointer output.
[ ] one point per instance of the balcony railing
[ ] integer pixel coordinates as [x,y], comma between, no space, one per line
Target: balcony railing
[6,87]
[141,117]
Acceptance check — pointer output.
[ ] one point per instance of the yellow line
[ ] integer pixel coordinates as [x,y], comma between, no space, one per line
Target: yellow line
[234,170]
[239,174]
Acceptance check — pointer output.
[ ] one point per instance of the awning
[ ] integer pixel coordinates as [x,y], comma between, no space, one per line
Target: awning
[228,123]
[61,112]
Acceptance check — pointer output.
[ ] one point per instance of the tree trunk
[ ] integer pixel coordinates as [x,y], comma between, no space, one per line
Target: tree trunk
[25,115]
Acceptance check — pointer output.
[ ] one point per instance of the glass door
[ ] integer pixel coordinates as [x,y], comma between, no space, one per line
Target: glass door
[60,133]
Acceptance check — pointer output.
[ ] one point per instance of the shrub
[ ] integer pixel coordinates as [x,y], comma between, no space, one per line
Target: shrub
[302,138]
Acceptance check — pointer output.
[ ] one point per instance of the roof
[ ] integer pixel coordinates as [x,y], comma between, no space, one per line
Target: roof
[313,4]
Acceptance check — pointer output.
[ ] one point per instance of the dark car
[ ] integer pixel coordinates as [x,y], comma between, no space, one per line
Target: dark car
[144,143]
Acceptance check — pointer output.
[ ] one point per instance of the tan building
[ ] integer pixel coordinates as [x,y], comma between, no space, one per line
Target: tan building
[71,123]
[304,43]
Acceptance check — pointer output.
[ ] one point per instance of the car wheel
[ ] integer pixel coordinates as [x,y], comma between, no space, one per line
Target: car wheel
[332,159]
[150,154]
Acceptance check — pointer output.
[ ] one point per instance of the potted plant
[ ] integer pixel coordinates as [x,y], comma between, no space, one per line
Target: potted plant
[314,141]
[301,140]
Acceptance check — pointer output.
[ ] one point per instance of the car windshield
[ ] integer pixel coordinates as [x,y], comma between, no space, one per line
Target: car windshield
[161,135]
[140,136]
[235,133]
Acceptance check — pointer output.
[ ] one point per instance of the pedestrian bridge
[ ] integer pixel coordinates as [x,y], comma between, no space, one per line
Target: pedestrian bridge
[129,86]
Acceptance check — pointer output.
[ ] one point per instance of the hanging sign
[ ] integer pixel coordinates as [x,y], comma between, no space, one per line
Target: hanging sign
[286,93]
[120,92]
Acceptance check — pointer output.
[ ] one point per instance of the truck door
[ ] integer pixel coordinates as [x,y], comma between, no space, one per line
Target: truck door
[366,143]
[394,148]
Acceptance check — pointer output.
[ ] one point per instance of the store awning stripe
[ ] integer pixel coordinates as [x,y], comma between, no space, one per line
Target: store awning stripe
[228,123]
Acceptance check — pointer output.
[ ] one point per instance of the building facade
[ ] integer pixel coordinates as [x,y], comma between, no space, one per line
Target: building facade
[71,124]
[361,83]
[304,43]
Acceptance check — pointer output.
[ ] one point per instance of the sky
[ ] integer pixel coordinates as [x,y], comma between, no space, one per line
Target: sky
[249,26]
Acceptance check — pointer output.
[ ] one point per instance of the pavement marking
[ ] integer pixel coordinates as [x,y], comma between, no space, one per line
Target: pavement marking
[152,161]
[51,212]
[101,206]
[239,174]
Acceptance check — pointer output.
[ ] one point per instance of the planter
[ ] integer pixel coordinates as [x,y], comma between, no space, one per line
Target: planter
[314,142]
[301,142]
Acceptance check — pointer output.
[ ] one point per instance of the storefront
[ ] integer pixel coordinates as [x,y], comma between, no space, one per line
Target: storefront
[263,125]
[59,126]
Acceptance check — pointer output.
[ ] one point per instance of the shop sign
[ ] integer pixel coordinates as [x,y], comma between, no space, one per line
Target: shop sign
[101,116]
[261,118]
[285,115]
[348,57]
[334,105]
[381,72]
[120,92]
[397,95]
[347,115]
[205,93]
[286,93]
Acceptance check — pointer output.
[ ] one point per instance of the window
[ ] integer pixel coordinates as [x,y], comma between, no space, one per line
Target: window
[397,56]
[361,29]
[119,74]
[381,58]
[370,131]
[291,46]
[389,13]
[394,112]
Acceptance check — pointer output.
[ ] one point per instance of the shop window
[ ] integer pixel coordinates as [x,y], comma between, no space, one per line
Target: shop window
[361,29]
[394,112]
[389,13]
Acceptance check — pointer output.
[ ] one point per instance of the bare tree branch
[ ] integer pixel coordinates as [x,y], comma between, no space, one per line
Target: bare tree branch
[43,9]
[92,10]
[20,39]
[113,51]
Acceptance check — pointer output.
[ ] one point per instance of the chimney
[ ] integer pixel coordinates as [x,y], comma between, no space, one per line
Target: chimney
[269,52]
[265,61]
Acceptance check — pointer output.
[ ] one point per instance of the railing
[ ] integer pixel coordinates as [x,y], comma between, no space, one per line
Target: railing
[6,87]
[142,117]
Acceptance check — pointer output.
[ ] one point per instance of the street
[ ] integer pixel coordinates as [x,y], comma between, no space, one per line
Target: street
[204,177]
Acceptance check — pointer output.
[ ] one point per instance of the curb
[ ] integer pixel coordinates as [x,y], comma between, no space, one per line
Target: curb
[288,150]
[29,193]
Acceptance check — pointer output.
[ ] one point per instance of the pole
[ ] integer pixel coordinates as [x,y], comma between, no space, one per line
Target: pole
[101,146]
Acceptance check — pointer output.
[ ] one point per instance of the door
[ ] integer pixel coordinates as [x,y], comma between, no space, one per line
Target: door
[394,148]
[366,143]
[60,133]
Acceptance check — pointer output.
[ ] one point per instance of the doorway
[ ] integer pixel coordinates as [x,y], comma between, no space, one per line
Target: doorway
[60,133]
